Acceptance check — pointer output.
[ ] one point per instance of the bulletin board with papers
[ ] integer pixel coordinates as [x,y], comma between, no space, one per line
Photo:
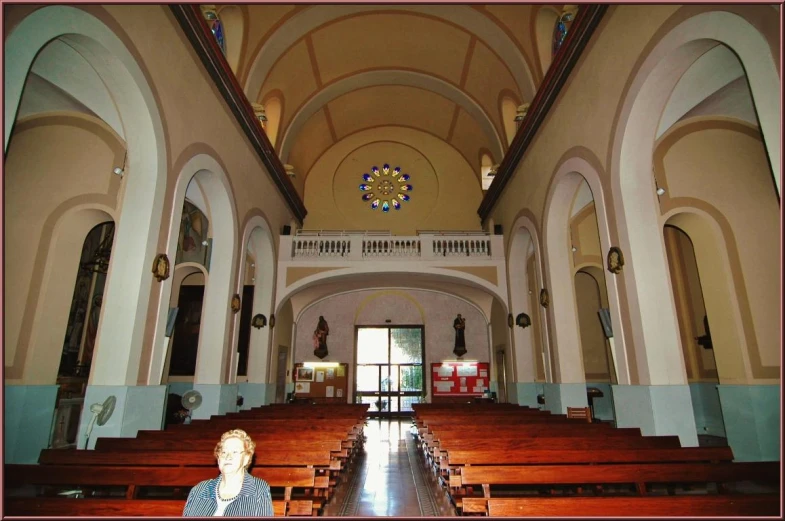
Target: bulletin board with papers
[328,383]
[459,378]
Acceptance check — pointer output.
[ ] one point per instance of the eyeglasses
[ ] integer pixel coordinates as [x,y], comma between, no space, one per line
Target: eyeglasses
[234,454]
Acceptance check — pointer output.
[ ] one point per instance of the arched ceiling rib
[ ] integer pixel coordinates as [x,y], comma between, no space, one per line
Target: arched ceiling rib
[397,77]
[464,16]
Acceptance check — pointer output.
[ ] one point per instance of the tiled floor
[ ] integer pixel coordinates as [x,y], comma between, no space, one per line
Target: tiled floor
[389,479]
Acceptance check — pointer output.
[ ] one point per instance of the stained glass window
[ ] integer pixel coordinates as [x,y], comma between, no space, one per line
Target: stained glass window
[561,28]
[384,187]
[215,25]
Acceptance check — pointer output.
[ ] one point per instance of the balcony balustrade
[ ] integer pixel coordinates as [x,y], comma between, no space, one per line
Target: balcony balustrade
[334,245]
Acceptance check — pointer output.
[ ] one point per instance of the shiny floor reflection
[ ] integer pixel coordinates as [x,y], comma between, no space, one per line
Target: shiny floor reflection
[389,479]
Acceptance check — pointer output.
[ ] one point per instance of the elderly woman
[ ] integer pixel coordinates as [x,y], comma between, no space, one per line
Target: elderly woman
[234,492]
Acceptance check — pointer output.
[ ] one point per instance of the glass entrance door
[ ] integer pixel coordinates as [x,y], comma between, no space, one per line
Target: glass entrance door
[389,369]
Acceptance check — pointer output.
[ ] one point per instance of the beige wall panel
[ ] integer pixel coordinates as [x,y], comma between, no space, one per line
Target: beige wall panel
[516,19]
[391,105]
[729,171]
[595,361]
[435,204]
[586,108]
[194,113]
[47,165]
[416,42]
[469,138]
[588,236]
[697,307]
[293,75]
[283,336]
[681,297]
[314,138]
[261,19]
[487,77]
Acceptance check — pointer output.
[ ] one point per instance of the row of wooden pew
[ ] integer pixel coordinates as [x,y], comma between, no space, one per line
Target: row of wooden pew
[302,451]
[505,460]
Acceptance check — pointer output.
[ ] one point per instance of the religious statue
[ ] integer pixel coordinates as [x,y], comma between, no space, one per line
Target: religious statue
[320,338]
[460,340]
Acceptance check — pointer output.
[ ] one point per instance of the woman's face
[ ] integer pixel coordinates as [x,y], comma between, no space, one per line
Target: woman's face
[233,459]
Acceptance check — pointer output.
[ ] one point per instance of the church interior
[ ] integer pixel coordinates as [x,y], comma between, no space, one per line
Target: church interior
[211,209]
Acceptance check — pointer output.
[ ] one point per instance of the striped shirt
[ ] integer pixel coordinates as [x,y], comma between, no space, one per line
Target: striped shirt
[254,499]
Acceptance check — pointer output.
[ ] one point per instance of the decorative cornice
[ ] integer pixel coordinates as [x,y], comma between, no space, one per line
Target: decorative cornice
[589,16]
[190,18]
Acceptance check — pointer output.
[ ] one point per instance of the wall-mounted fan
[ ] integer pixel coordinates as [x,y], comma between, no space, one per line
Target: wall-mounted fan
[101,414]
[191,400]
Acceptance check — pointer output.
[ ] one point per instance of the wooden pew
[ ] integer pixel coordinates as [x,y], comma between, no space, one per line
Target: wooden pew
[185,458]
[693,505]
[134,480]
[447,443]
[457,458]
[217,428]
[274,442]
[438,436]
[442,448]
[58,506]
[134,477]
[639,474]
[583,430]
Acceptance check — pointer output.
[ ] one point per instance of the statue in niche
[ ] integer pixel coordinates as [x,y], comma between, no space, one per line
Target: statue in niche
[320,338]
[459,324]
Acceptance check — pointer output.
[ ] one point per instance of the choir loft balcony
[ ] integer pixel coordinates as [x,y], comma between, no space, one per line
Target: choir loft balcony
[317,256]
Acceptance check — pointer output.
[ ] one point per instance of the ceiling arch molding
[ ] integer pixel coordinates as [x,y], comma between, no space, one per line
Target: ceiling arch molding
[464,16]
[390,77]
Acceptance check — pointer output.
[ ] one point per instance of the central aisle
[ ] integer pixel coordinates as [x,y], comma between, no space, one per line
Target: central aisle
[390,478]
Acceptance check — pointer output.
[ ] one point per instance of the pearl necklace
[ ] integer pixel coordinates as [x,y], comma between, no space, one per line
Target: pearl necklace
[220,498]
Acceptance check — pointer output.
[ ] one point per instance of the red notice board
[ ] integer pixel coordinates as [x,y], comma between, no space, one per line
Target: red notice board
[459,378]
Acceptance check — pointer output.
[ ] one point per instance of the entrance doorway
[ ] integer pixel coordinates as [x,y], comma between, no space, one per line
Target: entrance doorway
[389,369]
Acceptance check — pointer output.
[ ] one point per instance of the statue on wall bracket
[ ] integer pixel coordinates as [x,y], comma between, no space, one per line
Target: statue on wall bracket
[320,338]
[460,340]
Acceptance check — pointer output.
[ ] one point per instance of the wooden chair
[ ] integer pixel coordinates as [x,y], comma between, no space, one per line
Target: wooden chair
[581,413]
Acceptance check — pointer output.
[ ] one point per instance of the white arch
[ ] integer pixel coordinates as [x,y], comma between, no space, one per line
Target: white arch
[652,309]
[314,16]
[283,292]
[116,361]
[569,174]
[257,241]
[391,77]
[382,288]
[524,234]
[218,284]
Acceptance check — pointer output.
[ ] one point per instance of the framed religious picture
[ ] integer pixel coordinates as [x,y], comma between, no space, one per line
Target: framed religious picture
[615,260]
[545,299]
[304,374]
[161,267]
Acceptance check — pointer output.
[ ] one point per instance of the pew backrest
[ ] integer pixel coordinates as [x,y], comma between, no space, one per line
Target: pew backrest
[692,505]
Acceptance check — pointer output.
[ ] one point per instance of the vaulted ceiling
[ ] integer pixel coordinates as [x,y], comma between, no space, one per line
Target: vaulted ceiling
[326,73]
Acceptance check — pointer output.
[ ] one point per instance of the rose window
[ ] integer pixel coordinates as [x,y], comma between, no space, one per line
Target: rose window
[385,187]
